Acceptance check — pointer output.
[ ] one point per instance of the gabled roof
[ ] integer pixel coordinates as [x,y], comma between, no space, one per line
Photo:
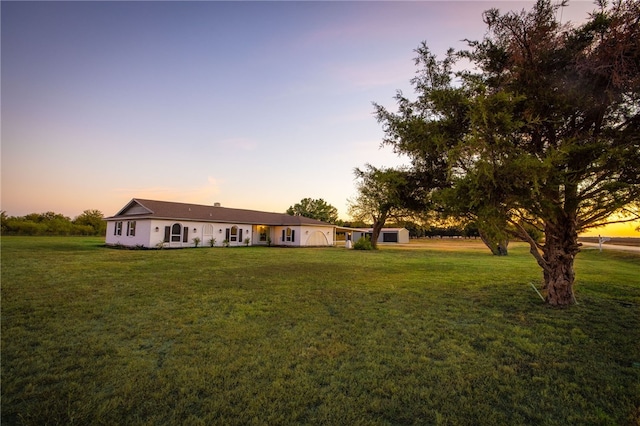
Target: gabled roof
[151,209]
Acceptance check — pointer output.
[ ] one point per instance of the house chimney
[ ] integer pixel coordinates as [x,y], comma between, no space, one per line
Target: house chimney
[216,204]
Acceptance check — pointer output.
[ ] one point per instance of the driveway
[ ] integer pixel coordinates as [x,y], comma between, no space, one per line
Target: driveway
[606,246]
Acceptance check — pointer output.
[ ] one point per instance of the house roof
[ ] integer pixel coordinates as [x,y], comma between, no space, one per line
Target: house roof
[382,230]
[152,209]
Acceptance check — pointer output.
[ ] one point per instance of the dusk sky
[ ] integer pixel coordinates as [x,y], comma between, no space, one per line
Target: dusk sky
[251,104]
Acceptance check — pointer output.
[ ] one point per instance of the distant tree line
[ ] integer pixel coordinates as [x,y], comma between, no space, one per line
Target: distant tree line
[454,231]
[90,222]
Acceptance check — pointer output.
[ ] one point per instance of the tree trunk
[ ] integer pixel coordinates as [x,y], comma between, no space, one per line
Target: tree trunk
[498,247]
[377,227]
[561,247]
[502,247]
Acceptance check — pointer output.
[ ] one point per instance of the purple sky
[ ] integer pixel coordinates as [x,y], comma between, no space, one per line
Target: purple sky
[251,104]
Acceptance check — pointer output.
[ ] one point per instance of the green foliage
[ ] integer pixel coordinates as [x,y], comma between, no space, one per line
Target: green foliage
[93,219]
[440,333]
[357,224]
[416,230]
[196,241]
[444,231]
[212,242]
[50,223]
[364,243]
[314,209]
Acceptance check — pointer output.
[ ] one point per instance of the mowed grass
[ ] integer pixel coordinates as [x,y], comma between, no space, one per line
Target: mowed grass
[430,334]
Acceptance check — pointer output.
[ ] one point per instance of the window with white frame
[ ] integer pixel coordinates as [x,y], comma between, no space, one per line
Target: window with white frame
[131,228]
[118,229]
[176,233]
[289,235]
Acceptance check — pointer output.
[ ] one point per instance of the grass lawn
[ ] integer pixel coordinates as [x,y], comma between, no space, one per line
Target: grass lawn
[429,334]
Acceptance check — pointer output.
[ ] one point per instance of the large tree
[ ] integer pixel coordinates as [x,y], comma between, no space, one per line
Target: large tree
[317,209]
[541,131]
[94,219]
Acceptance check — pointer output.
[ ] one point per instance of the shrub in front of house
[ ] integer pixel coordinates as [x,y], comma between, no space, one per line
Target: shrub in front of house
[363,243]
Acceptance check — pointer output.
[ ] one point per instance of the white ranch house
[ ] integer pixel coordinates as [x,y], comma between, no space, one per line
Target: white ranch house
[151,224]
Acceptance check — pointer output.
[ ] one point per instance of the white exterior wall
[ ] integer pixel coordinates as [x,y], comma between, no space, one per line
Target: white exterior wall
[277,236]
[403,236]
[304,235]
[156,237]
[141,237]
[311,233]
[150,233]
[109,238]
[197,229]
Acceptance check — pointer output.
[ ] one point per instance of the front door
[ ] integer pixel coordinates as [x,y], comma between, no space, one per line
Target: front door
[207,235]
[233,235]
[264,234]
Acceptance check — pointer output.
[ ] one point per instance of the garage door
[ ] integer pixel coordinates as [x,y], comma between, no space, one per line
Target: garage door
[389,237]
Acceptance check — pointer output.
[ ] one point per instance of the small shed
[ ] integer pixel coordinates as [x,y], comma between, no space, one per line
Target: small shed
[387,235]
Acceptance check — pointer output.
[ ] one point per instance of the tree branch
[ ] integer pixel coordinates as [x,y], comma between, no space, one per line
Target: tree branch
[533,246]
